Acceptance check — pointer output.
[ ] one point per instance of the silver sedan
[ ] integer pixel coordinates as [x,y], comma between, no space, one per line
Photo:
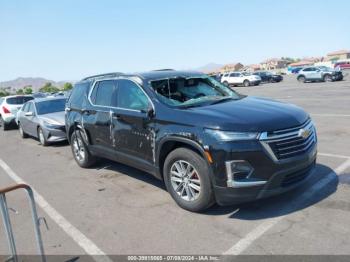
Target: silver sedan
[43,119]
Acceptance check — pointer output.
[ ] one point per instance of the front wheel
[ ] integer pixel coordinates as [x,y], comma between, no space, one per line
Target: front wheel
[246,83]
[42,138]
[301,79]
[226,83]
[186,177]
[80,151]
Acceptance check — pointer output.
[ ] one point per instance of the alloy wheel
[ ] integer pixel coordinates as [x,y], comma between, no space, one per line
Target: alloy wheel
[185,180]
[41,137]
[79,149]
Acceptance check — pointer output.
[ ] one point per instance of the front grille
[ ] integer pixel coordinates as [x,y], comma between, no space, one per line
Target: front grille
[292,142]
[62,128]
[296,177]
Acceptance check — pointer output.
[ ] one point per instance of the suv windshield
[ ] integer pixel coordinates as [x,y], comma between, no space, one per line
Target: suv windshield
[51,106]
[192,91]
[18,100]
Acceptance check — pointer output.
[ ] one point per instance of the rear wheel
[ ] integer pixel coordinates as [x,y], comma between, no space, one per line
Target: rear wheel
[41,137]
[186,177]
[21,131]
[80,151]
[246,83]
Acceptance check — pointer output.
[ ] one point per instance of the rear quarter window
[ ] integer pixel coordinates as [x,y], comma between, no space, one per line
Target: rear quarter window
[78,96]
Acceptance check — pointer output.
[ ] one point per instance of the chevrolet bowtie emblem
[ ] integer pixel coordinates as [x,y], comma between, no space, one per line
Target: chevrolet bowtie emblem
[304,133]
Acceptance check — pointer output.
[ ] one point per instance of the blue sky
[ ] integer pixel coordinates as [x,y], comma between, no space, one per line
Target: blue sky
[67,40]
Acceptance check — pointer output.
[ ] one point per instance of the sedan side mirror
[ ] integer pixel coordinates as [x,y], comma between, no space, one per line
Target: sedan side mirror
[29,114]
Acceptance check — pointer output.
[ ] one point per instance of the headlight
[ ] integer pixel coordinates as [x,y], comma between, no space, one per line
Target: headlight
[51,125]
[232,136]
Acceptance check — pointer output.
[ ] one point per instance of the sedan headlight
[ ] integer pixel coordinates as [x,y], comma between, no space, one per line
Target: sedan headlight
[232,136]
[51,125]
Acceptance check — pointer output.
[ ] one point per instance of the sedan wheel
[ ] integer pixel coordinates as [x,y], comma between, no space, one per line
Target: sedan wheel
[41,137]
[185,180]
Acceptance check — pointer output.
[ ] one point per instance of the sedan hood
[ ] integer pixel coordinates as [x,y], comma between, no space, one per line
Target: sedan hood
[54,118]
[249,114]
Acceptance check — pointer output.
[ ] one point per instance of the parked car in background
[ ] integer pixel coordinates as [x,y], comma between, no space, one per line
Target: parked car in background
[296,70]
[9,107]
[217,77]
[208,143]
[269,77]
[240,78]
[320,73]
[342,65]
[44,119]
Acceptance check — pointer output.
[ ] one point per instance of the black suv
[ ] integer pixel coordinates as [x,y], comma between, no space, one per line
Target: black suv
[269,77]
[208,143]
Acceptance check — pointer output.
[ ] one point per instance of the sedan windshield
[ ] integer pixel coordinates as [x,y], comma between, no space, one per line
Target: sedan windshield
[193,91]
[50,106]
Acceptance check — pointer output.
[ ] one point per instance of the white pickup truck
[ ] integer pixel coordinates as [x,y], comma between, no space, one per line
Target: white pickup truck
[240,78]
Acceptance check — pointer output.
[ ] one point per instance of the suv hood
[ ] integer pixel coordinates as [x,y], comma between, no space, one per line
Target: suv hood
[248,114]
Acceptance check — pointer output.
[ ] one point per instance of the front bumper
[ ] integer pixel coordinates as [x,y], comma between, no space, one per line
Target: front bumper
[279,177]
[55,135]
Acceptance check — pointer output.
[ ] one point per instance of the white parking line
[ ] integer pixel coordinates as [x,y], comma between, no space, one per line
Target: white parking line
[257,232]
[333,155]
[86,244]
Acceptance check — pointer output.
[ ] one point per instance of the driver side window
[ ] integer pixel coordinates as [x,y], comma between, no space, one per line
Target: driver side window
[130,96]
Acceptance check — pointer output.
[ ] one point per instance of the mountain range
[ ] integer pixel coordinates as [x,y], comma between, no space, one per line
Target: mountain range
[35,82]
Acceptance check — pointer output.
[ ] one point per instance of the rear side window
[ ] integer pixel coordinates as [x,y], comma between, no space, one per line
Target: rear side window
[104,94]
[18,100]
[76,98]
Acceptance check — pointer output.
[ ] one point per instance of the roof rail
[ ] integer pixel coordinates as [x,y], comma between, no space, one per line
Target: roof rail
[166,69]
[115,74]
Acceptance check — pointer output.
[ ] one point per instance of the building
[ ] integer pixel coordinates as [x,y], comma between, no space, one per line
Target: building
[273,63]
[338,55]
[231,67]
[251,68]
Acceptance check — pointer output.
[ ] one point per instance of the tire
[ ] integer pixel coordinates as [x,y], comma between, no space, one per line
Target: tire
[41,137]
[80,151]
[246,83]
[191,190]
[4,125]
[302,79]
[226,83]
[327,78]
[21,131]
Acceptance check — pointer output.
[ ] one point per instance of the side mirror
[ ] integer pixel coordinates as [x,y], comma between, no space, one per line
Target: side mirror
[29,114]
[149,111]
